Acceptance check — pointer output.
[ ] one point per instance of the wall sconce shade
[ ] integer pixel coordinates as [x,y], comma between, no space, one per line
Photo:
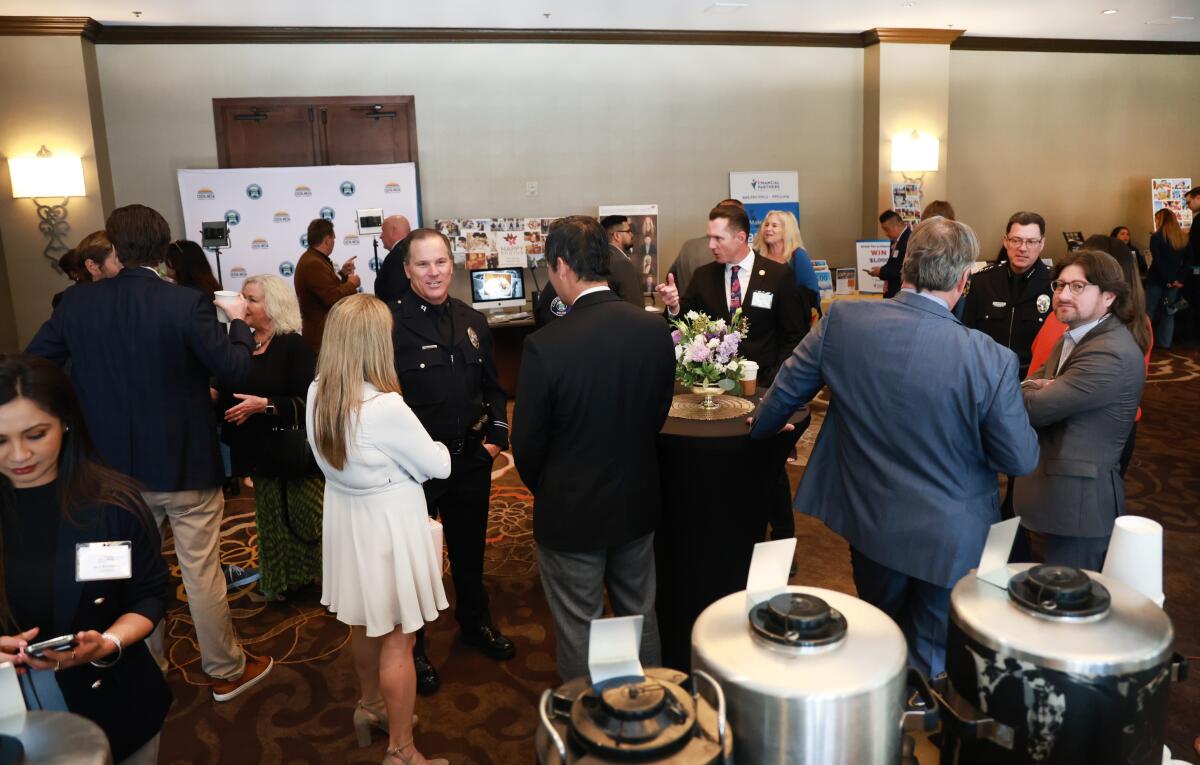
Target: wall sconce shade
[46,176]
[915,153]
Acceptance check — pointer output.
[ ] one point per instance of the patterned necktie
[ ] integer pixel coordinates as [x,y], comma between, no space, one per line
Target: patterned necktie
[735,289]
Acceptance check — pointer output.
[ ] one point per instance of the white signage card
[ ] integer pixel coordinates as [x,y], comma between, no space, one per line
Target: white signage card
[614,647]
[871,253]
[993,564]
[769,568]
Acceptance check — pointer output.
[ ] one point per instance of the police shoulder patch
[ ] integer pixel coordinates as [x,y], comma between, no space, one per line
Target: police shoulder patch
[558,307]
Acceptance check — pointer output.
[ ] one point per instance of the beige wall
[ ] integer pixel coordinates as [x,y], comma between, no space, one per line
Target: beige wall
[43,100]
[593,124]
[1075,137]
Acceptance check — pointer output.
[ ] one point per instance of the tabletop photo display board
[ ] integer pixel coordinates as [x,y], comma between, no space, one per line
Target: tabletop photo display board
[268,210]
[1170,193]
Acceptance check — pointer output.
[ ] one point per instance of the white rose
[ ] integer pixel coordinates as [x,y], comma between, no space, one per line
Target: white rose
[678,352]
[691,316]
[714,343]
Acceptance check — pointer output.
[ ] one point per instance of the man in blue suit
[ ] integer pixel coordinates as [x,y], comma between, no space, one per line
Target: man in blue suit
[142,351]
[924,412]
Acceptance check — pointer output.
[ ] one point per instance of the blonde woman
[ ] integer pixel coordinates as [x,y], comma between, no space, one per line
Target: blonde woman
[381,573]
[288,489]
[1168,268]
[779,239]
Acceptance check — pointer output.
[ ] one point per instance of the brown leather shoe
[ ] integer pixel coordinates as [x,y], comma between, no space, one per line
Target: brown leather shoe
[257,667]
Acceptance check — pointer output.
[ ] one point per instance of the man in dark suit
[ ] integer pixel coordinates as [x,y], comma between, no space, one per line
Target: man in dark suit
[318,285]
[622,275]
[924,413]
[594,476]
[1082,401]
[778,312]
[897,231]
[390,281]
[142,351]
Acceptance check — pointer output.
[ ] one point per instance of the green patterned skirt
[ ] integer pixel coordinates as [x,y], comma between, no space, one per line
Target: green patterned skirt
[289,531]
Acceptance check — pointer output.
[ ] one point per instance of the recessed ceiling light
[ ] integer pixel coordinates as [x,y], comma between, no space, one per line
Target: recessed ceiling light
[909,4]
[732,5]
[1109,12]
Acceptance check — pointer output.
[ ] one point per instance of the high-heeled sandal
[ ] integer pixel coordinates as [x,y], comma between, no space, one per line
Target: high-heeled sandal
[395,751]
[372,715]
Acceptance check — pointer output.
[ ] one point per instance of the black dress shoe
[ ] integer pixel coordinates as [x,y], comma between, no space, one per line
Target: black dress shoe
[490,642]
[427,677]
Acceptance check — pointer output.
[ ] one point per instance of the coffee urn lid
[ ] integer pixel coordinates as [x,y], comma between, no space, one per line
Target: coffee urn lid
[838,645]
[1065,619]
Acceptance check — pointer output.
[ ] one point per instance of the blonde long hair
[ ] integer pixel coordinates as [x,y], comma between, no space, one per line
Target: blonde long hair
[355,348]
[1172,232]
[791,234]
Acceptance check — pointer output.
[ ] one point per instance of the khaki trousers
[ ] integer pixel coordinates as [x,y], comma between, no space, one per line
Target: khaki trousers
[195,518]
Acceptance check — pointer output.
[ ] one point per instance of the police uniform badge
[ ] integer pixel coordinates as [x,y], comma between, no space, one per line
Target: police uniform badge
[474,338]
[559,308]
[1043,303]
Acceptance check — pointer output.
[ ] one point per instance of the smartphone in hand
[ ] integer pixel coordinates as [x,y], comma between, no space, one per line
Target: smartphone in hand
[60,643]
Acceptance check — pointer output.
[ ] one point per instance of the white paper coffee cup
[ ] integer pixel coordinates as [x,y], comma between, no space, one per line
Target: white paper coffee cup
[224,296]
[749,370]
[1135,555]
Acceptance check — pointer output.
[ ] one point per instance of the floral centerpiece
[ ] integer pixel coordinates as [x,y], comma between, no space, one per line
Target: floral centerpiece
[706,353]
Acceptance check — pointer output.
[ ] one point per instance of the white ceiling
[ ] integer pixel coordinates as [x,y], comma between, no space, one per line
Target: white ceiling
[1135,19]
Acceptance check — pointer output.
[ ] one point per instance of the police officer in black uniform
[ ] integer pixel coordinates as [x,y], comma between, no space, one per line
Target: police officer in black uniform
[1010,301]
[448,377]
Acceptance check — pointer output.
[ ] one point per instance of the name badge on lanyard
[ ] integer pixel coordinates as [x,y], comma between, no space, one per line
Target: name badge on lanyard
[95,561]
[762,299]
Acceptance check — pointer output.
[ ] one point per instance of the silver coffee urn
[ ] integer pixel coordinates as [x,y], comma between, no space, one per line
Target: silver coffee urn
[812,677]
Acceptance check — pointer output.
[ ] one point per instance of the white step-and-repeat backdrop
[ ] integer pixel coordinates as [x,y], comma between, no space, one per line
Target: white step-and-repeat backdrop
[269,208]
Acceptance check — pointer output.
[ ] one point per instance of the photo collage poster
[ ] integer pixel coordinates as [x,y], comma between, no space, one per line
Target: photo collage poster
[496,242]
[1170,193]
[643,219]
[906,200]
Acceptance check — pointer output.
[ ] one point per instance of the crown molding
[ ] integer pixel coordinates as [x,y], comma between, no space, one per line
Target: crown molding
[1059,45]
[57,26]
[912,36]
[149,35]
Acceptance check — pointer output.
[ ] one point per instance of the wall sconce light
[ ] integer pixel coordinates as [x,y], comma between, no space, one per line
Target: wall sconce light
[914,155]
[47,176]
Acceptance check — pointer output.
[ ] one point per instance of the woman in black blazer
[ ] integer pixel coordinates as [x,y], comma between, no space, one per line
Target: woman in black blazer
[54,496]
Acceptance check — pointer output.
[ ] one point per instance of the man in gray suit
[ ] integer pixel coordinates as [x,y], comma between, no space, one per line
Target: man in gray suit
[1082,402]
[924,413]
[693,254]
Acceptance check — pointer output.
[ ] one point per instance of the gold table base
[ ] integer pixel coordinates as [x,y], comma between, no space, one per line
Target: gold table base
[690,406]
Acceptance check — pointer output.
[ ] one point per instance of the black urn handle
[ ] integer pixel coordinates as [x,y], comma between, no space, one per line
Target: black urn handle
[921,708]
[1179,667]
[970,722]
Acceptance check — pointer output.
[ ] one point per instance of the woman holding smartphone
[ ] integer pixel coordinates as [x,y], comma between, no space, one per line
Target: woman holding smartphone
[80,559]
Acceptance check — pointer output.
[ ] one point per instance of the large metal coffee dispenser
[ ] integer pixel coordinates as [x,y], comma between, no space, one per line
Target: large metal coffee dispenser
[623,713]
[1054,665]
[811,676]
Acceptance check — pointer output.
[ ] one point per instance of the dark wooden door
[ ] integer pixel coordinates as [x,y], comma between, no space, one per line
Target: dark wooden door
[256,134]
[361,134]
[300,132]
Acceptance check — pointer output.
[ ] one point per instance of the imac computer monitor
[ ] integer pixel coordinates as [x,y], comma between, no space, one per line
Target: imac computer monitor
[498,288]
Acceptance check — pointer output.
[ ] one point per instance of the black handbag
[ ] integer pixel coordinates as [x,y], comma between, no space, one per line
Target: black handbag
[287,453]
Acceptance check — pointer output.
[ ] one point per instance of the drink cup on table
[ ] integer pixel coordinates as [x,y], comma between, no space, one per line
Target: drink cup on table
[749,377]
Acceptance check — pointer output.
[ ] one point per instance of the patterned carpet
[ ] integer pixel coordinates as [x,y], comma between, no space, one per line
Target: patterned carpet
[484,713]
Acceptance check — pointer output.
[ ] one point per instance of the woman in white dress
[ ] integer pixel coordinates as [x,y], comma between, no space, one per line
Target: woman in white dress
[381,573]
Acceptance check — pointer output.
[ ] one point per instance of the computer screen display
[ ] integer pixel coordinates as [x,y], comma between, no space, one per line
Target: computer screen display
[498,288]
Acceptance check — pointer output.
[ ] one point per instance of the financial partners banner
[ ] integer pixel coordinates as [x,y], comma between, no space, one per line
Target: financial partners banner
[762,192]
[268,210]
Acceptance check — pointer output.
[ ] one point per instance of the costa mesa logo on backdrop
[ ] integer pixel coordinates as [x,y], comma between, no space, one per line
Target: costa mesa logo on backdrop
[233,217]
[282,217]
[237,272]
[254,191]
[303,191]
[205,194]
[304,240]
[351,240]
[392,188]
[260,244]
[347,188]
[327,213]
[287,268]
